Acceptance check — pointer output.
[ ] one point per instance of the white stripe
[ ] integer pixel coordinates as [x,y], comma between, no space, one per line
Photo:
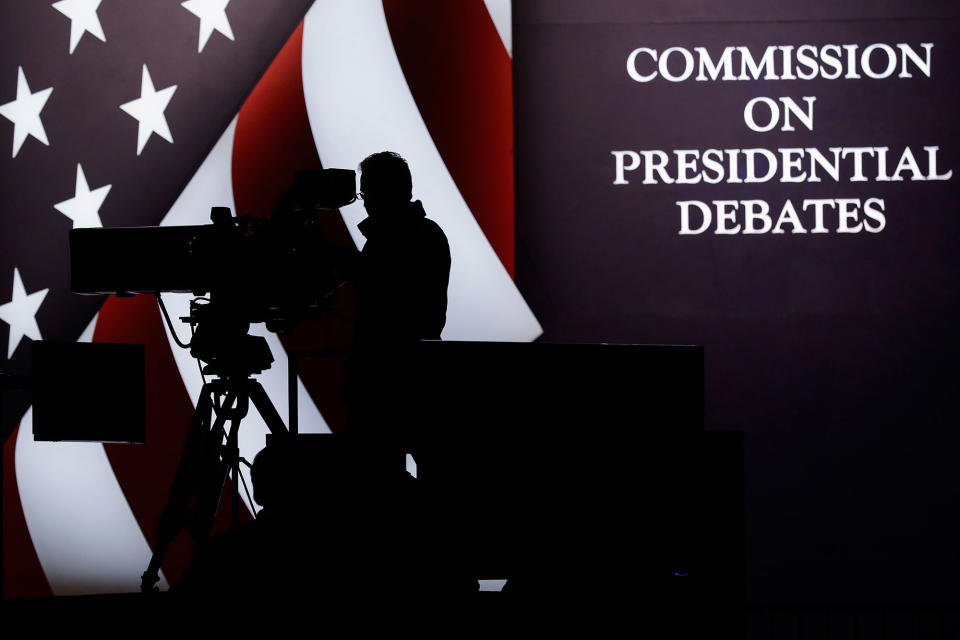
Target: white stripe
[358,103]
[212,185]
[84,533]
[500,13]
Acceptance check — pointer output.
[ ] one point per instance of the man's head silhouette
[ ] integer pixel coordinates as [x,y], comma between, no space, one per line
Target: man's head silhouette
[384,182]
[272,474]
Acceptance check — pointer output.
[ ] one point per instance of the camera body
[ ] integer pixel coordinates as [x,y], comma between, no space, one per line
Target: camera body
[277,270]
[263,270]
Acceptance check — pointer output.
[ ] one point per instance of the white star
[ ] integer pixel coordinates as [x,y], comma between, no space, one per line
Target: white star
[21,313]
[213,15]
[83,18]
[84,207]
[148,110]
[24,113]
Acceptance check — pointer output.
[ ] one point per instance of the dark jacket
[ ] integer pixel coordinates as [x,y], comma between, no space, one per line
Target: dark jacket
[402,279]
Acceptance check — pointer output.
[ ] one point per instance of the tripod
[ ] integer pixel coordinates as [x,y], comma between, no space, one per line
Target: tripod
[209,454]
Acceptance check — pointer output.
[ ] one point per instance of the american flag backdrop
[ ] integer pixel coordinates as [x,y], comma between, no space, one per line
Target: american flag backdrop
[146,112]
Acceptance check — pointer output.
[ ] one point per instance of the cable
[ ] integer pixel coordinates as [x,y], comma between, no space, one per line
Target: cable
[194,304]
[166,316]
[163,308]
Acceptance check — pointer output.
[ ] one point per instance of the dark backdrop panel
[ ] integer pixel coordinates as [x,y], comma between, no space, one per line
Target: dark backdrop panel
[834,352]
[578,469]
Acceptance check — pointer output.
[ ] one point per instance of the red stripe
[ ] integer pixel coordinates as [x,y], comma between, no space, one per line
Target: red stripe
[272,142]
[460,76]
[145,472]
[23,576]
[273,138]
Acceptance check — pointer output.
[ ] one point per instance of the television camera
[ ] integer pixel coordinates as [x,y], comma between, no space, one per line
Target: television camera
[242,270]
[277,270]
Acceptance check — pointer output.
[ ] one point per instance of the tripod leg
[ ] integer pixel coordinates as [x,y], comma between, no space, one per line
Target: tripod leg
[233,450]
[203,468]
[184,485]
[263,404]
[219,460]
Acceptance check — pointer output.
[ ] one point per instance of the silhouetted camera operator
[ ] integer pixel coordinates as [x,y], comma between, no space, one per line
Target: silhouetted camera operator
[401,288]
[405,264]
